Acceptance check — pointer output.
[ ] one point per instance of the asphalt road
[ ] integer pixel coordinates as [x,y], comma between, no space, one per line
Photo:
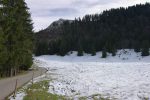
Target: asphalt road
[7,86]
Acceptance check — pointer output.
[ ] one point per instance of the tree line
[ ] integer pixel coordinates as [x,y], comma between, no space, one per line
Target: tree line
[16,37]
[121,28]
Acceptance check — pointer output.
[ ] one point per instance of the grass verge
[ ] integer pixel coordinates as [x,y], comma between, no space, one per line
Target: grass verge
[39,91]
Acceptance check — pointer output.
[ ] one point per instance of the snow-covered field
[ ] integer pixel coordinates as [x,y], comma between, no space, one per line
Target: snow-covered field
[124,77]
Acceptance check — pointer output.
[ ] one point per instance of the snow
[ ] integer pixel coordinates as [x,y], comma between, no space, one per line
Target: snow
[19,96]
[124,77]
[121,56]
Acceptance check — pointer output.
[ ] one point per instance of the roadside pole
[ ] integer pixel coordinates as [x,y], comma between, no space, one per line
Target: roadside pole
[15,91]
[32,77]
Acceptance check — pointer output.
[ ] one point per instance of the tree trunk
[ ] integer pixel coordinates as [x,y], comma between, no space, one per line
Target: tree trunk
[11,72]
[15,72]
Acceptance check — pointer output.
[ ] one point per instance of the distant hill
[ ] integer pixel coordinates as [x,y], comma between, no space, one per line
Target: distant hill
[52,32]
[121,28]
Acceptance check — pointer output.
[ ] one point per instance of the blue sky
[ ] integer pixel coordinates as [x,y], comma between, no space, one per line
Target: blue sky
[45,12]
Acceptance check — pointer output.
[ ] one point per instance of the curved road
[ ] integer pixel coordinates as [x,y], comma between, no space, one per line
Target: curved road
[7,86]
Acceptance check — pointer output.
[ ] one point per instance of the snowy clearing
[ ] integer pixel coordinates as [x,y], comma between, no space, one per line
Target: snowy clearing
[123,77]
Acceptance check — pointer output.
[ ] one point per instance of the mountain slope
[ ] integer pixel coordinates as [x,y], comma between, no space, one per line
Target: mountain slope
[53,31]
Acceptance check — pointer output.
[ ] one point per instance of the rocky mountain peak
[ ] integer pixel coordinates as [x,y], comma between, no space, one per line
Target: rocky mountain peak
[56,24]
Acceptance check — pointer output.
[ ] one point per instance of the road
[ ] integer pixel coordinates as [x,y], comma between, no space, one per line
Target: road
[7,86]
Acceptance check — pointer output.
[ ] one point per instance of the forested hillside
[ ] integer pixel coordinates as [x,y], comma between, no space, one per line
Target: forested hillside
[16,37]
[122,28]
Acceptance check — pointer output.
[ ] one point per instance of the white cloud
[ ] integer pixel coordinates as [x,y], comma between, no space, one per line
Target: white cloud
[46,11]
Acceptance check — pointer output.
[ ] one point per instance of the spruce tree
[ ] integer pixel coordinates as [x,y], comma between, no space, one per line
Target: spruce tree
[137,46]
[25,34]
[1,43]
[80,50]
[3,53]
[93,52]
[9,31]
[113,51]
[104,53]
[145,48]
[17,28]
[63,48]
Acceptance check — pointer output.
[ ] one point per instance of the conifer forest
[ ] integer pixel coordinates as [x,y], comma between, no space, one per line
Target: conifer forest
[16,37]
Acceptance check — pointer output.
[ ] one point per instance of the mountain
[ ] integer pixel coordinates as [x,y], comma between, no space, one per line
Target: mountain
[120,28]
[52,32]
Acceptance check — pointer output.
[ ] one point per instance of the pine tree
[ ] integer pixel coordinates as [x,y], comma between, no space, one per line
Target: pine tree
[1,44]
[137,47]
[145,48]
[80,50]
[3,53]
[25,33]
[63,48]
[8,26]
[113,51]
[104,53]
[38,49]
[17,28]
[93,52]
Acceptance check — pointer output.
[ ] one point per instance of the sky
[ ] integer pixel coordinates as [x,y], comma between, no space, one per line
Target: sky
[44,12]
